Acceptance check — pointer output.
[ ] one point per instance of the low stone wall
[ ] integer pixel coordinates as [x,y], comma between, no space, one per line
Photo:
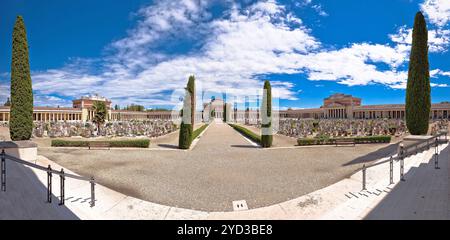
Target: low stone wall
[151,128]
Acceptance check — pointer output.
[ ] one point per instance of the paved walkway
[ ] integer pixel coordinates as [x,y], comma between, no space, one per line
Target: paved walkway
[223,167]
[424,195]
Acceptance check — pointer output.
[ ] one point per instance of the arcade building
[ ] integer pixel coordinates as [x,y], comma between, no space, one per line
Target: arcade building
[336,106]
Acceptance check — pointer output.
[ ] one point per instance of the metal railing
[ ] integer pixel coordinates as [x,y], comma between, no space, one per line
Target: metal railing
[50,172]
[406,151]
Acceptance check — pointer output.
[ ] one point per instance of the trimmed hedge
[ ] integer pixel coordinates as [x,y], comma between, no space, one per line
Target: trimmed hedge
[329,141]
[307,141]
[373,139]
[246,132]
[66,143]
[135,143]
[198,131]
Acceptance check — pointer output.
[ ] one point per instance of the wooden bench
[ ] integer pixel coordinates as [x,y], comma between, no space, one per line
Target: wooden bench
[345,141]
[95,144]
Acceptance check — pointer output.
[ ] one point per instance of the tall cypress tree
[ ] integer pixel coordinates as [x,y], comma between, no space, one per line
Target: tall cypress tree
[21,122]
[187,116]
[266,114]
[418,100]
[225,112]
[191,90]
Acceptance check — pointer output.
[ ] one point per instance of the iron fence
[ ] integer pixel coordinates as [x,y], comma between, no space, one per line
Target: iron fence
[62,177]
[406,151]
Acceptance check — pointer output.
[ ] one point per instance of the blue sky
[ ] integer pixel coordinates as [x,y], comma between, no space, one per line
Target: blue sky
[142,52]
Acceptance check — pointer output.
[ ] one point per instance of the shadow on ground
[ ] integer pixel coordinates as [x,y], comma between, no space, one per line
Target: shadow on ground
[378,154]
[244,146]
[168,146]
[26,197]
[424,195]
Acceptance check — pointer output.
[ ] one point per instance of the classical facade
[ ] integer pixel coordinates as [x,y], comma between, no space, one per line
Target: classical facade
[81,110]
[340,106]
[337,106]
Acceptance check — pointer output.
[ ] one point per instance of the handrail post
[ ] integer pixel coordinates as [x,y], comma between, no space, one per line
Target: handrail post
[49,184]
[436,155]
[62,178]
[364,177]
[401,154]
[3,171]
[92,191]
[391,171]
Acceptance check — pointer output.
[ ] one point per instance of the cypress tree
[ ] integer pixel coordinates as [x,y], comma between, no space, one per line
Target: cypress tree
[225,112]
[187,116]
[266,113]
[418,100]
[191,90]
[21,122]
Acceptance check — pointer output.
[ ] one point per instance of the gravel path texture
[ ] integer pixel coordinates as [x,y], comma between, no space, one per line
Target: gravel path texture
[223,167]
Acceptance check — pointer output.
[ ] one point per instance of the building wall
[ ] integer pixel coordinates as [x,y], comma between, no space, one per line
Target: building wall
[347,107]
[390,111]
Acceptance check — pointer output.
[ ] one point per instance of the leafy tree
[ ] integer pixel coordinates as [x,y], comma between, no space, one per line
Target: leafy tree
[187,116]
[116,107]
[100,114]
[266,114]
[21,122]
[418,100]
[158,109]
[135,107]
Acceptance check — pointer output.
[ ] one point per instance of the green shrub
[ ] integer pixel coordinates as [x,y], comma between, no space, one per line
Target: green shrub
[247,133]
[134,143]
[373,139]
[137,143]
[66,143]
[198,131]
[308,141]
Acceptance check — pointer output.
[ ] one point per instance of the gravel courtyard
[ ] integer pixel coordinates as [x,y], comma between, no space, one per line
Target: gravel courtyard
[223,167]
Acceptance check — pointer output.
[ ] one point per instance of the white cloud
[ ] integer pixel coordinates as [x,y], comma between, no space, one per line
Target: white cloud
[438,85]
[251,41]
[235,51]
[438,72]
[438,39]
[438,11]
